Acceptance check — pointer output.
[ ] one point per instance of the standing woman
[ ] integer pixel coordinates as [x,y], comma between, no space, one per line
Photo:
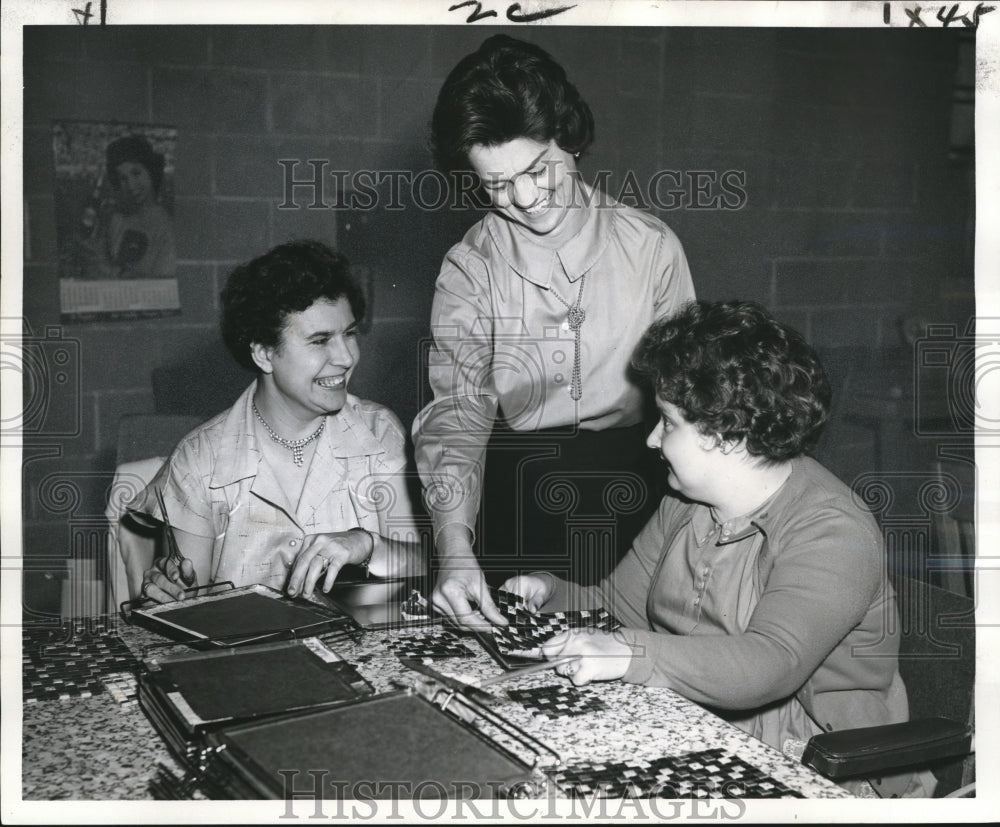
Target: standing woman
[536,313]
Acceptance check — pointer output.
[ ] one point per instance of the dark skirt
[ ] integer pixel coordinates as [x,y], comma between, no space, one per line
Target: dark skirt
[566,502]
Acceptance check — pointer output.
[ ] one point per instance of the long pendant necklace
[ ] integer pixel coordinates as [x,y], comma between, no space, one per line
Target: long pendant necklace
[576,317]
[293,445]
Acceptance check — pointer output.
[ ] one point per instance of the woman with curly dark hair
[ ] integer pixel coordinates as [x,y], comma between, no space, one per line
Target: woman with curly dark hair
[299,477]
[759,590]
[536,312]
[140,242]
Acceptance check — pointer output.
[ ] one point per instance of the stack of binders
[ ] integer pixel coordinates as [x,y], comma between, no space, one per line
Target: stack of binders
[263,722]
[189,695]
[262,707]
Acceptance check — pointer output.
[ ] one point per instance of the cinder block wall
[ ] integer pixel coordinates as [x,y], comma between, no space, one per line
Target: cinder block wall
[854,216]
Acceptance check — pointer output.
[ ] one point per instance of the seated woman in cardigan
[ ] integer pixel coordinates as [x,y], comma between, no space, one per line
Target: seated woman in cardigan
[299,477]
[759,588]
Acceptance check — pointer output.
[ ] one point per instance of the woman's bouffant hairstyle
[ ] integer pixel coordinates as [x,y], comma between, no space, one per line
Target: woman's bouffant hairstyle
[735,372]
[507,89]
[260,294]
[138,150]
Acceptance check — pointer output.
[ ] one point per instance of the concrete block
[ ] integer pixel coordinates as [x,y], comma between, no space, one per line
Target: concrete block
[289,225]
[396,51]
[193,174]
[54,42]
[59,90]
[330,105]
[819,282]
[199,298]
[112,405]
[731,61]
[307,47]
[211,229]
[735,120]
[177,45]
[210,100]
[803,182]
[405,107]
[856,325]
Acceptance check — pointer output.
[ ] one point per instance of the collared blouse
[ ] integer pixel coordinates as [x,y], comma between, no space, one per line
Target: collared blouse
[217,484]
[502,344]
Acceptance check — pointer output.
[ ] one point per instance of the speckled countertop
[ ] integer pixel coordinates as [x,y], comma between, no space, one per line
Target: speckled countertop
[99,749]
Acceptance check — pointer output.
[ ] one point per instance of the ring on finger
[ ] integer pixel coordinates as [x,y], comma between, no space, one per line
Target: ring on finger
[144,591]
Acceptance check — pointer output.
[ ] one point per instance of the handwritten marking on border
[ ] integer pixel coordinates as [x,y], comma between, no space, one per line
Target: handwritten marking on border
[514,12]
[83,15]
[945,15]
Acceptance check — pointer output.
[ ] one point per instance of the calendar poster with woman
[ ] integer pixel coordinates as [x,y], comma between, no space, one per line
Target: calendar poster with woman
[114,188]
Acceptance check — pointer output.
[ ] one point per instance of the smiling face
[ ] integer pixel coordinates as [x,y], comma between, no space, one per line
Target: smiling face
[693,458]
[135,183]
[307,373]
[532,184]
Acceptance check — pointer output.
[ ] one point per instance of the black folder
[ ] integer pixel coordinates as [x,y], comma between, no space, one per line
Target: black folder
[238,616]
[190,694]
[397,745]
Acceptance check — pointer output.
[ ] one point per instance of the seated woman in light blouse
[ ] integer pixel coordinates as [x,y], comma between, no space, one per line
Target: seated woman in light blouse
[299,477]
[759,589]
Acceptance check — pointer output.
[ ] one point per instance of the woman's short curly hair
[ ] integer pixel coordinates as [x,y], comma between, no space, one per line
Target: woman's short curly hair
[260,294]
[736,372]
[138,150]
[507,89]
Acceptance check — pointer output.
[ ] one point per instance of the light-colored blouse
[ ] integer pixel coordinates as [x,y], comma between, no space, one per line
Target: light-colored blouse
[217,484]
[502,343]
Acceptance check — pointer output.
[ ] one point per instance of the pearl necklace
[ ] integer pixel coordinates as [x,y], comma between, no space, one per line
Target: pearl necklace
[293,445]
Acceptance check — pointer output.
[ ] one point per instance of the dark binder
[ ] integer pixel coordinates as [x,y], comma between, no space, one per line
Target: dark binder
[190,694]
[236,617]
[397,745]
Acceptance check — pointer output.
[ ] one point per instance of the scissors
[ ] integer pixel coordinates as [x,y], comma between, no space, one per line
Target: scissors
[474,690]
[173,550]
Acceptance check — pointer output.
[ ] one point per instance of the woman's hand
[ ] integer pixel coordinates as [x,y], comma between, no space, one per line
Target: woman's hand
[535,590]
[462,595]
[165,581]
[603,656]
[324,555]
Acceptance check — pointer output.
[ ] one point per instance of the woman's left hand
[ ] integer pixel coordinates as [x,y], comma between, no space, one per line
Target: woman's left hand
[323,556]
[603,656]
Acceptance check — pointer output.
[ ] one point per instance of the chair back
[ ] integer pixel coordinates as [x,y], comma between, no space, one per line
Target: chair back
[144,441]
[937,661]
[955,525]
